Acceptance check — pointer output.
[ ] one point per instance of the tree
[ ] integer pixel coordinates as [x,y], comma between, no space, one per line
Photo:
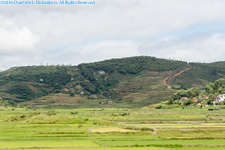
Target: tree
[188,102]
[208,89]
[195,92]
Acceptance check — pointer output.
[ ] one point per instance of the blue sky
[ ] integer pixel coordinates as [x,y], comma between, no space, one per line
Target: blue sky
[216,26]
[189,30]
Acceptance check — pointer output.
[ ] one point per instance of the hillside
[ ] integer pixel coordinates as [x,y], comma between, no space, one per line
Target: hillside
[199,75]
[133,82]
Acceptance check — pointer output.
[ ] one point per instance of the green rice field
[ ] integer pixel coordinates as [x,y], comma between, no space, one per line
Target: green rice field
[112,129]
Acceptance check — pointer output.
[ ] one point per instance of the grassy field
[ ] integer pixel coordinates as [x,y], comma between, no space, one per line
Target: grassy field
[112,129]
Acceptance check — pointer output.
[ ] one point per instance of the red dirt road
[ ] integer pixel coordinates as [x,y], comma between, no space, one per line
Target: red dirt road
[177,74]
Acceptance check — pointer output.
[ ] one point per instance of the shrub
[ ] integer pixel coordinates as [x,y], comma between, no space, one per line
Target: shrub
[159,107]
[74,113]
[125,114]
[139,128]
[23,117]
[72,94]
[188,102]
[50,113]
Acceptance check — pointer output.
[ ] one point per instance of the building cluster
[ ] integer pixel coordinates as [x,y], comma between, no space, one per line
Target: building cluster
[105,102]
[69,90]
[219,98]
[200,101]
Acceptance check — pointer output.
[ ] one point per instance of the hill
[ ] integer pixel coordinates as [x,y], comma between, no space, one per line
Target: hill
[133,82]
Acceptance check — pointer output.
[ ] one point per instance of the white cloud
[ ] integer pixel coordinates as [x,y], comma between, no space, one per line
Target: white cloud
[116,19]
[95,51]
[121,28]
[13,41]
[196,48]
[109,49]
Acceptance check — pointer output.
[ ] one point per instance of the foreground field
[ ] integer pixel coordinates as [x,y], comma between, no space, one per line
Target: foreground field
[112,129]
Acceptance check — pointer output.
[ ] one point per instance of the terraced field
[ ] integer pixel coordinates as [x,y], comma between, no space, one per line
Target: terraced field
[112,129]
[145,89]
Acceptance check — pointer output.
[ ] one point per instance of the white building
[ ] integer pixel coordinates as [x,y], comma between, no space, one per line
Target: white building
[220,98]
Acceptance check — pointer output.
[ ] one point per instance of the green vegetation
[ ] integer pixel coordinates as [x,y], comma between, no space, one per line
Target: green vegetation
[194,95]
[106,80]
[128,82]
[114,68]
[23,91]
[200,74]
[103,129]
[7,103]
[104,106]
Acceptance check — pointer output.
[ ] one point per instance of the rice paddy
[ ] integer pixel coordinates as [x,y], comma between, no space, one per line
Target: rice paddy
[112,129]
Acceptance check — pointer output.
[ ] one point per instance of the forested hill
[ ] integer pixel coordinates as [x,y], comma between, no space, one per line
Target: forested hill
[135,80]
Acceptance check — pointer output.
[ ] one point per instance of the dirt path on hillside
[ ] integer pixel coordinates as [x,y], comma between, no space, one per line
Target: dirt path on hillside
[177,74]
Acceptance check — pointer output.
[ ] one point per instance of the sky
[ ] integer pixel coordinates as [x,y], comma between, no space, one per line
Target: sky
[188,30]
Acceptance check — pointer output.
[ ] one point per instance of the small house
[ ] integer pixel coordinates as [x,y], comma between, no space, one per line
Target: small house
[220,98]
[66,90]
[205,97]
[195,100]
[182,100]
[199,104]
[102,102]
[72,89]
[110,102]
[93,96]
[101,72]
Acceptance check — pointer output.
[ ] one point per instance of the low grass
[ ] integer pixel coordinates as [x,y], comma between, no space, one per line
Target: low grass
[47,144]
[166,142]
[109,148]
[197,133]
[111,128]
